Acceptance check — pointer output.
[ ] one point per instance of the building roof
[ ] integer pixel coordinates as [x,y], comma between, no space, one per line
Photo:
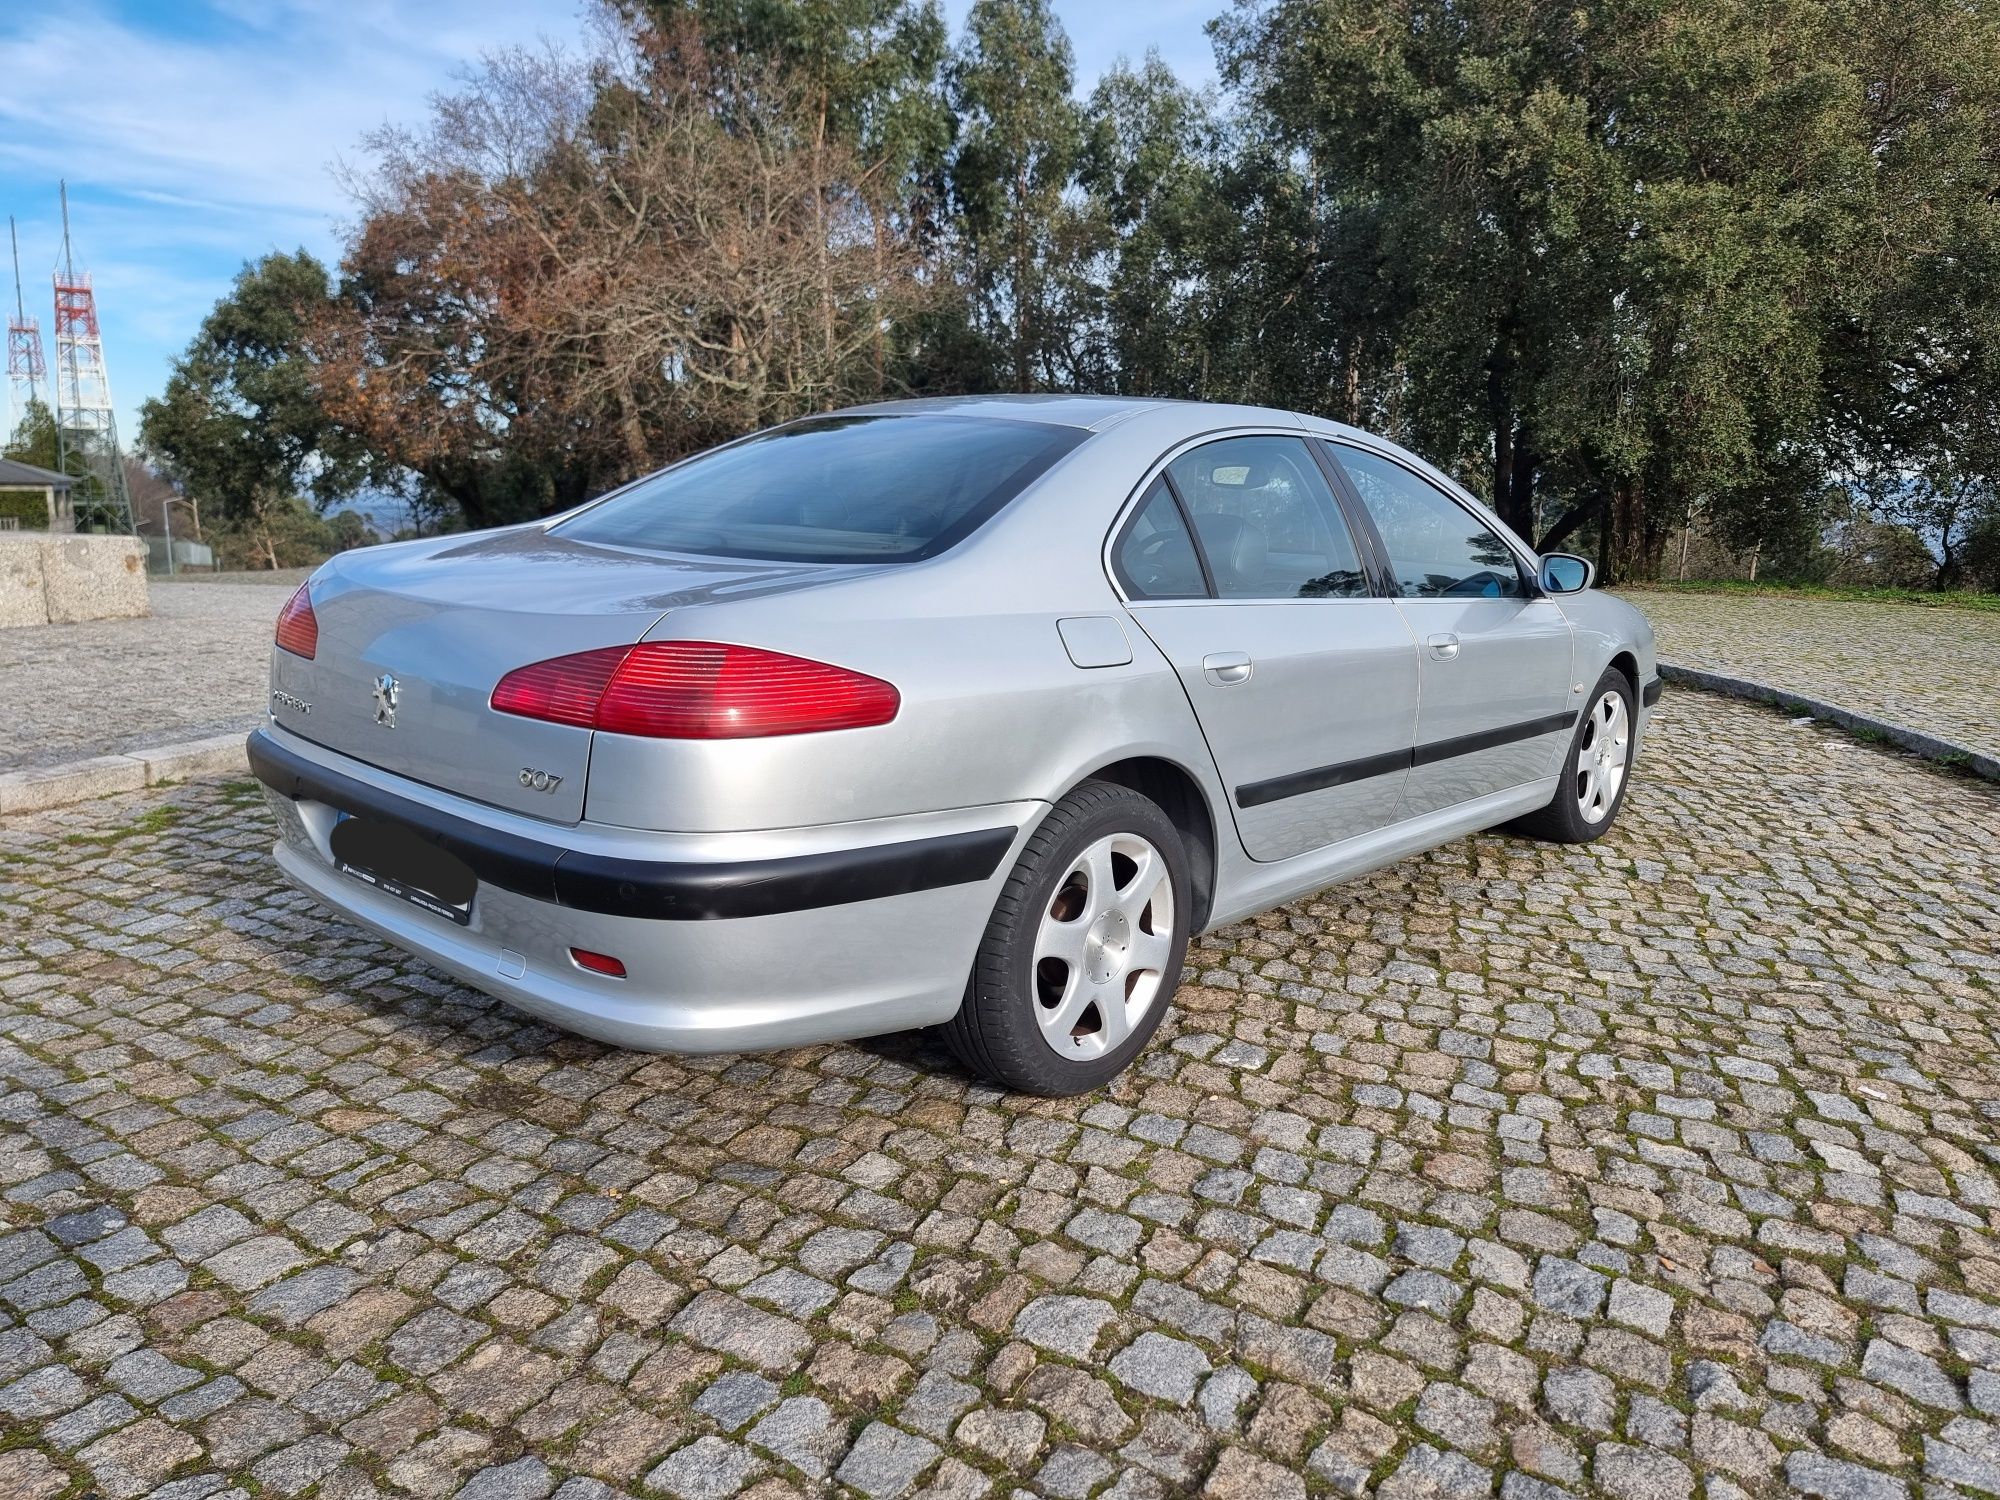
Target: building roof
[26,476]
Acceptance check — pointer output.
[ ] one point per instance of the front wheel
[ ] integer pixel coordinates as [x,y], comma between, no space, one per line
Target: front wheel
[1596,769]
[1083,950]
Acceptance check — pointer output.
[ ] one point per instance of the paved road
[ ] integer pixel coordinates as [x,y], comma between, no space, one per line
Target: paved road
[1934,670]
[1510,1169]
[199,666]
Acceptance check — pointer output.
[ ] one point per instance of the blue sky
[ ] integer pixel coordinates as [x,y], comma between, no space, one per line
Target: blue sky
[199,134]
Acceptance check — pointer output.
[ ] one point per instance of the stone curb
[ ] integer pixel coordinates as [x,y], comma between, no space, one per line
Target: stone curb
[102,775]
[1927,746]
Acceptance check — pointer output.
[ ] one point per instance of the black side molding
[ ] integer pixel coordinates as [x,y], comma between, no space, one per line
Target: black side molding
[1257,793]
[1489,739]
[1650,694]
[682,891]
[1298,783]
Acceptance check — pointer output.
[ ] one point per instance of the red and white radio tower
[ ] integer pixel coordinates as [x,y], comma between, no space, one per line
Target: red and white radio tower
[86,430]
[24,344]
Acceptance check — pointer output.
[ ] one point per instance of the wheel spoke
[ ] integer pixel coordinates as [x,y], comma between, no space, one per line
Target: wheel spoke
[1103,892]
[1150,952]
[1061,940]
[1059,1022]
[1114,1024]
[1138,892]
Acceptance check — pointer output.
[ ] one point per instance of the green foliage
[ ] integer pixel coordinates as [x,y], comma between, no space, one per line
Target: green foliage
[240,425]
[33,440]
[29,507]
[1620,265]
[287,533]
[1624,245]
[1020,135]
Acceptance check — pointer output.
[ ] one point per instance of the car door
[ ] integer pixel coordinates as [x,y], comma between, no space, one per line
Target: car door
[1495,705]
[1240,564]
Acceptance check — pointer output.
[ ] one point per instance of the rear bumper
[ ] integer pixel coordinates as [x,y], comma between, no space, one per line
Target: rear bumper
[731,942]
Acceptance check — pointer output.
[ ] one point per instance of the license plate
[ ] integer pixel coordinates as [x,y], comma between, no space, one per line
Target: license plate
[397,863]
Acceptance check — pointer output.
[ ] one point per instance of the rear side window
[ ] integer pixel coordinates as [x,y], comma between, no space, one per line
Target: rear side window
[1268,523]
[860,489]
[1437,548]
[1155,557]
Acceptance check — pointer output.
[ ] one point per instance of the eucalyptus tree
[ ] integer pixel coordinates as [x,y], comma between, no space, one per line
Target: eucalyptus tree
[1020,137]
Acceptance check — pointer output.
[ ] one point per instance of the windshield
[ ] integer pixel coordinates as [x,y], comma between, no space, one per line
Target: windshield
[834,489]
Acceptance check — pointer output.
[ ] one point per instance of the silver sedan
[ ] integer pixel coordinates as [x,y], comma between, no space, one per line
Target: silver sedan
[962,714]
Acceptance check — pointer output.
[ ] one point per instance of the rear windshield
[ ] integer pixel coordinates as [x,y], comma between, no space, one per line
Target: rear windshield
[833,489]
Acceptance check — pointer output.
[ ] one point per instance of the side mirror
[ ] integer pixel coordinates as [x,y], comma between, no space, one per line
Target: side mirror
[1565,573]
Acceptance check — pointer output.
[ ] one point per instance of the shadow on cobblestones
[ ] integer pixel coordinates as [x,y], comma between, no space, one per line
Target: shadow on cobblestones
[1662,1164]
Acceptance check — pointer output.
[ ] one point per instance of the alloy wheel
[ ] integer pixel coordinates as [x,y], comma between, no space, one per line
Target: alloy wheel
[1103,947]
[1602,757]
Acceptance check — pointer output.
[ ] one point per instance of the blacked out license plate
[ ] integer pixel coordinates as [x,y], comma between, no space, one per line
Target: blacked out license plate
[398,863]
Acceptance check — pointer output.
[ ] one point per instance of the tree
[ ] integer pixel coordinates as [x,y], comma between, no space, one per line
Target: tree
[1147,170]
[1912,411]
[1615,238]
[240,426]
[1020,134]
[584,268]
[34,437]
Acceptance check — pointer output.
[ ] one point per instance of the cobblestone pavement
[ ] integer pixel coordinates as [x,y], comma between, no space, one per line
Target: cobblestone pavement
[1658,1167]
[199,666]
[1934,670]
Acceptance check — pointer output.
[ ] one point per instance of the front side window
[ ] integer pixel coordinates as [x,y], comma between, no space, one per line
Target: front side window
[856,489]
[1267,520]
[1155,556]
[1437,548]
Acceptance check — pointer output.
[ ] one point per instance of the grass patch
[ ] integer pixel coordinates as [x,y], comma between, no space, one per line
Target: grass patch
[153,820]
[1949,599]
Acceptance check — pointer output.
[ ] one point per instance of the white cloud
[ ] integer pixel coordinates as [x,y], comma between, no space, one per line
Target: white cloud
[241,111]
[208,139]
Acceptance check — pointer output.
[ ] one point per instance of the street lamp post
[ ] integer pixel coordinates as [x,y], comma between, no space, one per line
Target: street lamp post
[167,520]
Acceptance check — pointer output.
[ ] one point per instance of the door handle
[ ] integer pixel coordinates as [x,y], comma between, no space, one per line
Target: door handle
[1444,645]
[1226,668]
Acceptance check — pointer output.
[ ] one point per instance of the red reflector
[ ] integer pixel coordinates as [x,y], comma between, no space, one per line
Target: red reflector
[696,690]
[298,627]
[597,963]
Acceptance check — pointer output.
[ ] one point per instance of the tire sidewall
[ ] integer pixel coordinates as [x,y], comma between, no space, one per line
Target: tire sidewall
[1010,947]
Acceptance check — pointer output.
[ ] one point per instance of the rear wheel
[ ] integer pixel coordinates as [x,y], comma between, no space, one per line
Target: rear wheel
[1083,950]
[1596,769]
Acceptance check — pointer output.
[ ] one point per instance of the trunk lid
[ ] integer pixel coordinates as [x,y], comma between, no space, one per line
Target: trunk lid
[447,618]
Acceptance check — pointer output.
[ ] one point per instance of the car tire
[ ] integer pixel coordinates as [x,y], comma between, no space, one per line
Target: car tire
[1592,788]
[1083,952]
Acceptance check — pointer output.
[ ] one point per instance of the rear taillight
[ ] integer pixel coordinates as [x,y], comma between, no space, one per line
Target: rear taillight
[298,628]
[696,690]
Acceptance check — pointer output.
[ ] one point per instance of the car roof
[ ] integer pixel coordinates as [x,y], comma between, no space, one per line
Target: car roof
[1092,413]
[1096,414]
